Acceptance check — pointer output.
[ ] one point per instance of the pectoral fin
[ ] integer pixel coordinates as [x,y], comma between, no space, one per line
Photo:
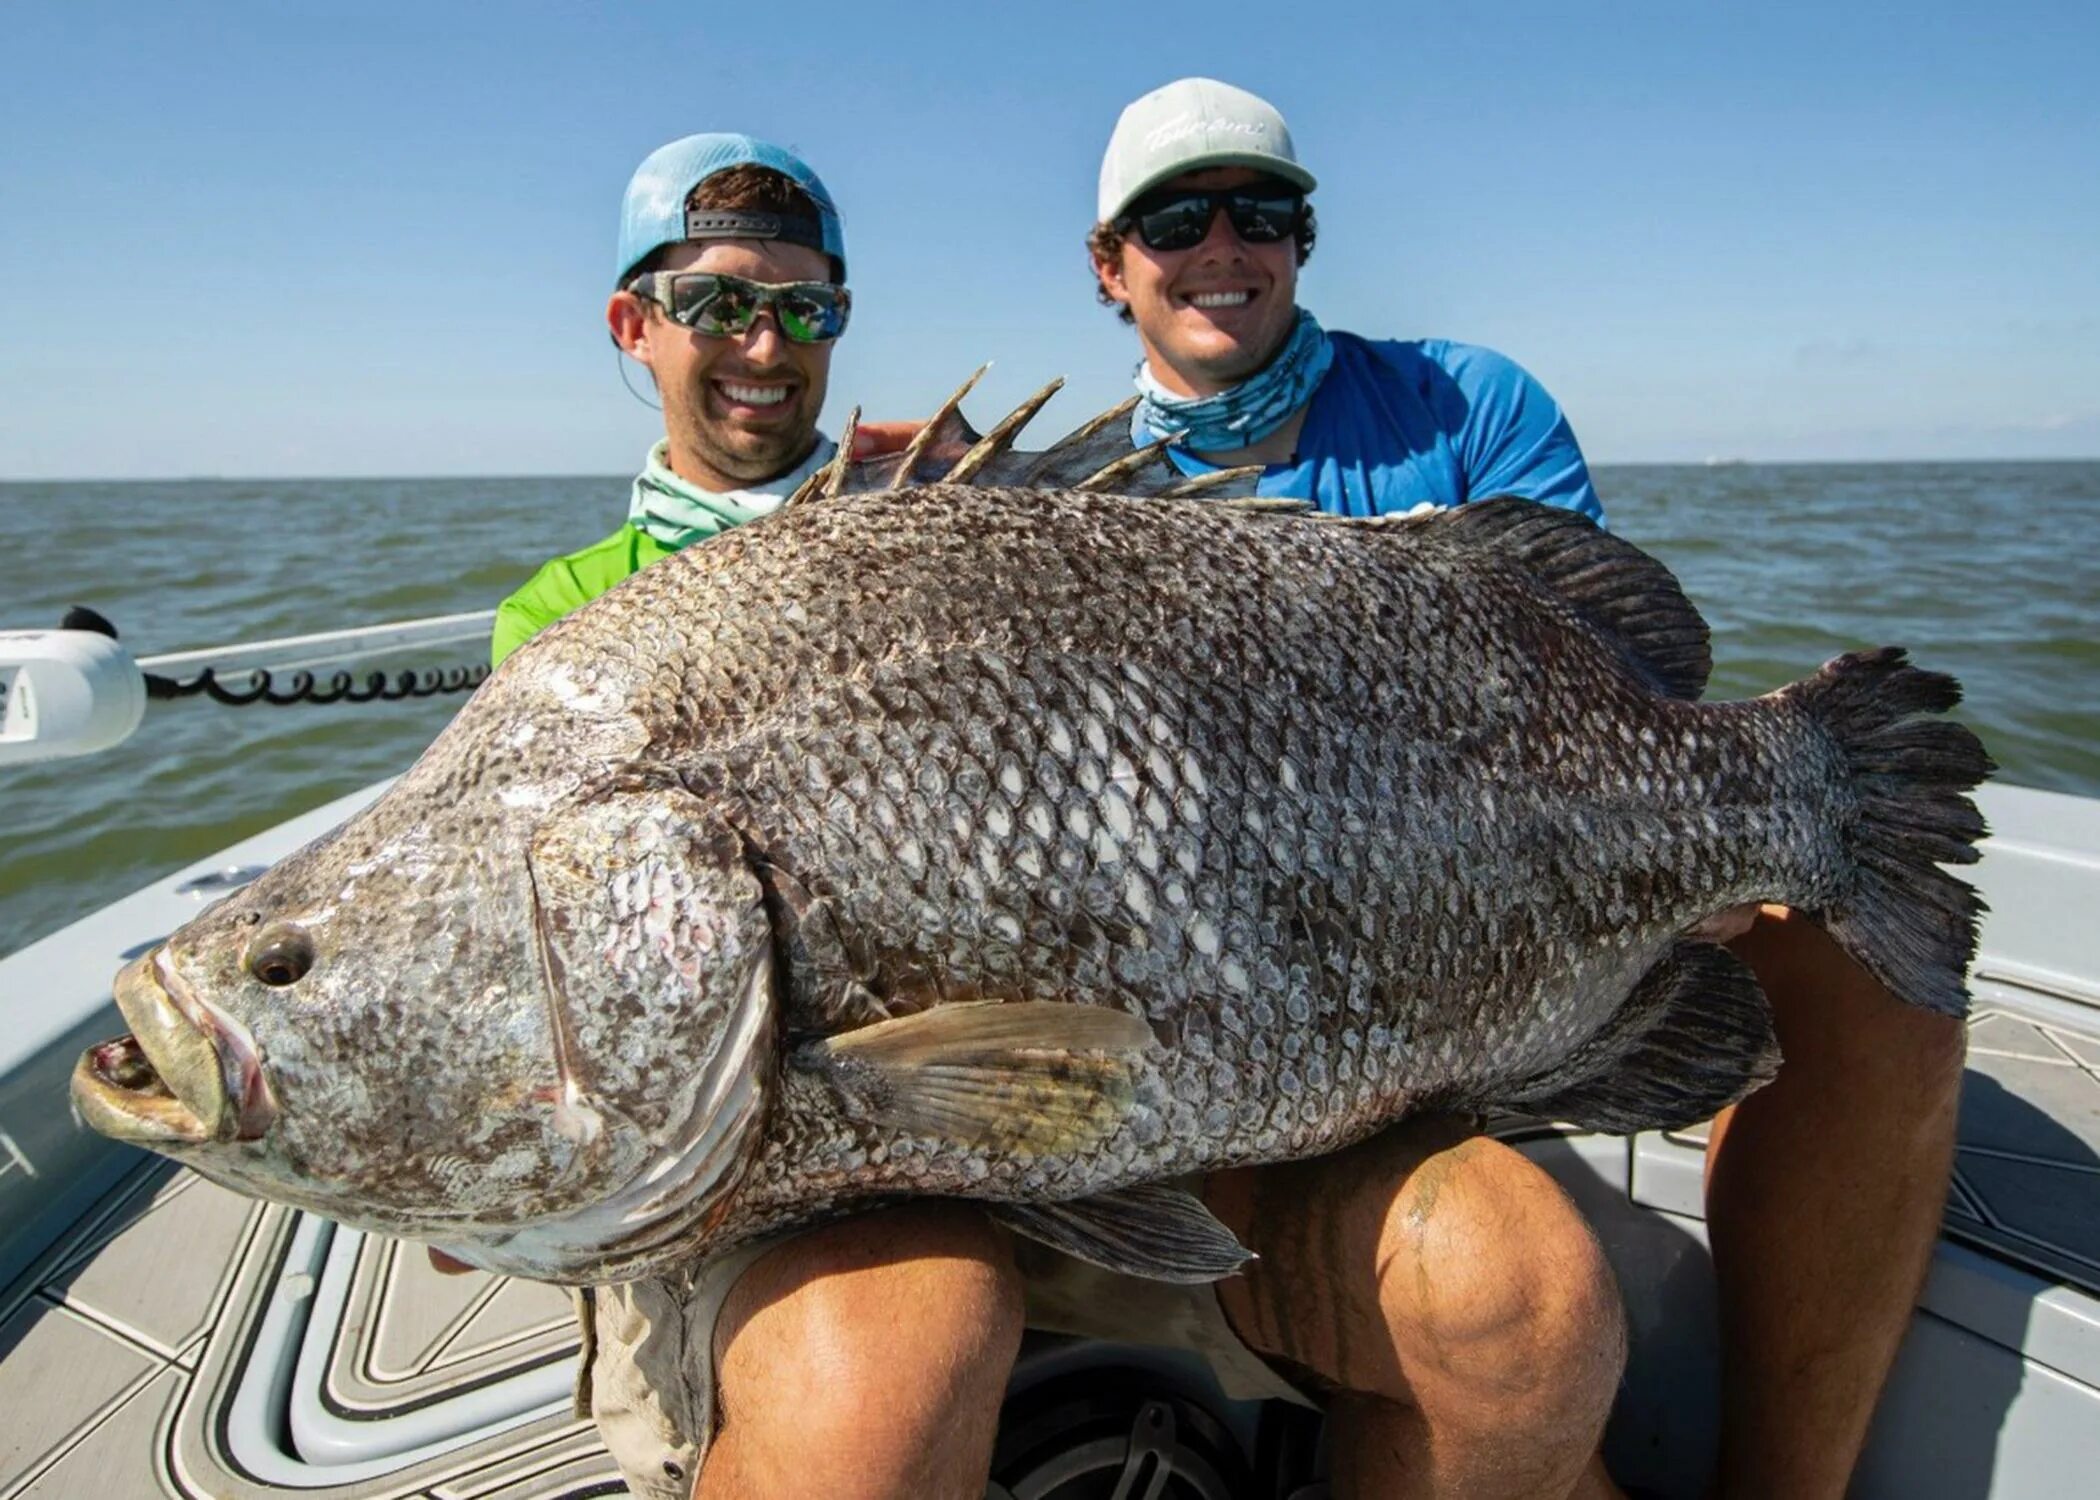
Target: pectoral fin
[1037,1077]
[1154,1230]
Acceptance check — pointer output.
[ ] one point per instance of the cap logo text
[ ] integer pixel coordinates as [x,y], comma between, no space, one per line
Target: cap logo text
[1183,126]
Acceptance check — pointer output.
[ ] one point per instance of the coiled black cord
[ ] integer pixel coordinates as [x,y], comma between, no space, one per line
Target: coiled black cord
[303,687]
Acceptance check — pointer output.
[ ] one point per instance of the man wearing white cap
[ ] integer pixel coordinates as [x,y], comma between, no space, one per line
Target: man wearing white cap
[1476,1342]
[1203,225]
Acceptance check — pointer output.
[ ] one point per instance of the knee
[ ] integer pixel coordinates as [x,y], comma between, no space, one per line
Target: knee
[871,1341]
[928,1291]
[1498,1291]
[1836,1021]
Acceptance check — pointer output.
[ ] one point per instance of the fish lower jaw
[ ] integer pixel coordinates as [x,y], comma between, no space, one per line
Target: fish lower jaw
[186,1075]
[117,1093]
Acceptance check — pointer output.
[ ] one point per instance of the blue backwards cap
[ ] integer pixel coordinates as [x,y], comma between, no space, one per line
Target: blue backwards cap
[653,213]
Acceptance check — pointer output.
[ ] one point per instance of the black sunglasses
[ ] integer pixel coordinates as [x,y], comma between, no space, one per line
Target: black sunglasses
[808,312]
[1179,218]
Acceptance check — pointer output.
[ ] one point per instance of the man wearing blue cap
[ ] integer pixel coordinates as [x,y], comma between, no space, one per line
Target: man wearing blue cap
[729,289]
[1480,1345]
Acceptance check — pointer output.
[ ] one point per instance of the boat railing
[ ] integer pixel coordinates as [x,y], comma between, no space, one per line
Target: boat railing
[77,690]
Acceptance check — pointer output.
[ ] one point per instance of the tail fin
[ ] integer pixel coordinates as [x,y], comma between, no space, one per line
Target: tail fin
[1907,921]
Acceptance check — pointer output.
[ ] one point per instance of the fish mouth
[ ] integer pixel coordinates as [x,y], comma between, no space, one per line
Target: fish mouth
[186,1075]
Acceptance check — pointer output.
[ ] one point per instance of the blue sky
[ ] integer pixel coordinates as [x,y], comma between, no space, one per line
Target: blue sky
[320,239]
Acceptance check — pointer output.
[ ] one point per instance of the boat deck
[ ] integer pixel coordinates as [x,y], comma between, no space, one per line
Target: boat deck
[2027,1170]
[185,1341]
[162,1337]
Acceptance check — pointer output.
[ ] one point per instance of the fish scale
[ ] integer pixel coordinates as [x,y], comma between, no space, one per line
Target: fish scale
[1037,846]
[1229,737]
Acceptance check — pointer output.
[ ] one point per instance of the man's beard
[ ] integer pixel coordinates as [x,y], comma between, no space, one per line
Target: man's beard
[1235,366]
[741,454]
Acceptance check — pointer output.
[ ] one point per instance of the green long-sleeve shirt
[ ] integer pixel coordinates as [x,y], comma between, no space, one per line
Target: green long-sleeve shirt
[663,505]
[568,583]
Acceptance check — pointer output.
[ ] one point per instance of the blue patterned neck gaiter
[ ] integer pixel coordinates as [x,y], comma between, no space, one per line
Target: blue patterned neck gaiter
[1244,414]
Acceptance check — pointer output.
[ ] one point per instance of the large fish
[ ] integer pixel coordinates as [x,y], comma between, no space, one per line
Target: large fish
[1036,846]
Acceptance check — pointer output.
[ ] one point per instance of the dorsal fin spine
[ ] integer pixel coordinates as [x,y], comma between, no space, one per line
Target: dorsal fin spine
[1135,462]
[841,463]
[1196,484]
[1002,436]
[925,437]
[1075,447]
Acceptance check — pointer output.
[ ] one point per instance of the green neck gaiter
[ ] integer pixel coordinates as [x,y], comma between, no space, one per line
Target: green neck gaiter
[678,512]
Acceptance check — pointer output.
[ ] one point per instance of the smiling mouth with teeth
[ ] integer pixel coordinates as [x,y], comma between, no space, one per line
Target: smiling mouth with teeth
[1220,299]
[754,395]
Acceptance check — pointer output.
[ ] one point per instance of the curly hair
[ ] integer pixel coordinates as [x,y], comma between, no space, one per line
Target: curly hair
[744,187]
[1104,242]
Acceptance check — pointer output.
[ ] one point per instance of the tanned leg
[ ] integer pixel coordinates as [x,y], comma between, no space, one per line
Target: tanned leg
[1453,1302]
[1824,1194]
[867,1361]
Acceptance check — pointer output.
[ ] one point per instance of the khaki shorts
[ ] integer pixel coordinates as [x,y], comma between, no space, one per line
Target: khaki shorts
[648,1373]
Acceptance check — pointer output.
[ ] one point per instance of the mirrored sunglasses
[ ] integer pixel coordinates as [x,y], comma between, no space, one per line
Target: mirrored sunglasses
[1178,219]
[808,312]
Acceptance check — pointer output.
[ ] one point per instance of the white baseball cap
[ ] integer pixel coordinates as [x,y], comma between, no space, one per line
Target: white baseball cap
[1192,123]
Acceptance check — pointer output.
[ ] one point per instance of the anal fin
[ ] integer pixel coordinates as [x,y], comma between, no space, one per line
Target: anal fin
[1156,1231]
[1694,1037]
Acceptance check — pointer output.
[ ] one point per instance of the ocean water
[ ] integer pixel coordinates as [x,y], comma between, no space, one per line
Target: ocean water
[1990,571]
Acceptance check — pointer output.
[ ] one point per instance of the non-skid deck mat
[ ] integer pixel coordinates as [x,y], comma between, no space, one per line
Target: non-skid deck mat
[123,1351]
[2027,1160]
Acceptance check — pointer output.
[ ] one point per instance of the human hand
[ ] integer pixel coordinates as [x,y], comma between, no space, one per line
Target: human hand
[1727,926]
[876,439]
[445,1264]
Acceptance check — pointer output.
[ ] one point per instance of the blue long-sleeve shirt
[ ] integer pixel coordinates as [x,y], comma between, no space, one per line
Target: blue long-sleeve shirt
[1399,422]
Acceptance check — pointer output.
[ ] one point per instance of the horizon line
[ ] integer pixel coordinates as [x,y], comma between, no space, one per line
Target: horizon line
[1727,462]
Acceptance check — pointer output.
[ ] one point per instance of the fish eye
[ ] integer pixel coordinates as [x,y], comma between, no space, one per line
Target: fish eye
[280,955]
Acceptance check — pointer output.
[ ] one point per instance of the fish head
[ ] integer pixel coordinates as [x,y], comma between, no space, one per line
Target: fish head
[541,1043]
